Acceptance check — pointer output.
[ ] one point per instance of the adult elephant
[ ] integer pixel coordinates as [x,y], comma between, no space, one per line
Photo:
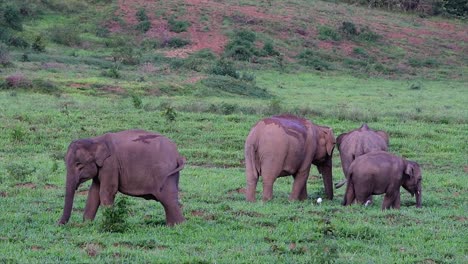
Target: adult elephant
[287,145]
[133,162]
[359,142]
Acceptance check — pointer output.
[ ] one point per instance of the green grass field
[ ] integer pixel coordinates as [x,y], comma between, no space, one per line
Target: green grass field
[105,81]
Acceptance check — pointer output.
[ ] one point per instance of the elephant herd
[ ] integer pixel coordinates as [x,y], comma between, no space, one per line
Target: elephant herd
[145,164]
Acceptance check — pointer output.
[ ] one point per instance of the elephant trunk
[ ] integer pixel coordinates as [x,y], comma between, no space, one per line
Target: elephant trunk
[419,197]
[326,171]
[69,195]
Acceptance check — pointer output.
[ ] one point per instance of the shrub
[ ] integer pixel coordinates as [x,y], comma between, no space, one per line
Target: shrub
[224,67]
[269,50]
[176,42]
[427,62]
[5,58]
[235,86]
[39,44]
[137,103]
[18,134]
[456,7]
[367,35]
[178,26]
[141,15]
[143,26]
[274,107]
[126,54]
[348,29]
[327,33]
[241,46]
[313,59]
[17,80]
[169,113]
[65,35]
[115,217]
[12,17]
[227,108]
[112,72]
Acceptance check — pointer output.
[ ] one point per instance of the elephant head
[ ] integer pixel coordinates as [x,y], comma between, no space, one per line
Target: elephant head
[323,158]
[83,160]
[412,178]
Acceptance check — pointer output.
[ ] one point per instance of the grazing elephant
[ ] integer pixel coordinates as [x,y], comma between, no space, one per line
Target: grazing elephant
[133,162]
[380,172]
[359,142]
[287,145]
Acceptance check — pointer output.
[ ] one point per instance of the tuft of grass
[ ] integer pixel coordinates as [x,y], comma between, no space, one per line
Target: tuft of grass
[115,217]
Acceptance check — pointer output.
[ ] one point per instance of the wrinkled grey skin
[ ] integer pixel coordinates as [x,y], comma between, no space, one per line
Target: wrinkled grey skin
[380,172]
[359,142]
[287,145]
[133,162]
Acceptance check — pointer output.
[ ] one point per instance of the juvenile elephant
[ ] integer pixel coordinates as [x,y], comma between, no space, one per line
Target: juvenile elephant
[287,145]
[381,172]
[133,162]
[359,142]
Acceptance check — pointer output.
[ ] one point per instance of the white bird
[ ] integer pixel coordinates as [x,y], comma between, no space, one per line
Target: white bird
[319,200]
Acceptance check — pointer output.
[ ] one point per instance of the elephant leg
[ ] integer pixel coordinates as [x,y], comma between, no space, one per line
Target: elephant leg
[299,190]
[389,200]
[108,185]
[169,198]
[93,202]
[350,194]
[267,188]
[396,203]
[252,181]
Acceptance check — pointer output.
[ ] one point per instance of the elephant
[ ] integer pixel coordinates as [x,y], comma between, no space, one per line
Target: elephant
[134,162]
[381,172]
[287,145]
[358,142]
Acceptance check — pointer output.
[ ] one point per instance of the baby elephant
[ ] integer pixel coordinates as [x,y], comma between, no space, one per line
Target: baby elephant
[381,172]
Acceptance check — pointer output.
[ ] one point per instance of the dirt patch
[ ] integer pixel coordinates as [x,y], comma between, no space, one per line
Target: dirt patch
[82,192]
[36,248]
[465,169]
[113,89]
[203,214]
[238,190]
[92,249]
[27,185]
[3,194]
[79,85]
[50,186]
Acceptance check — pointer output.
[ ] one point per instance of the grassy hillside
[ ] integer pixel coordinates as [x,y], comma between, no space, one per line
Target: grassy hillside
[90,67]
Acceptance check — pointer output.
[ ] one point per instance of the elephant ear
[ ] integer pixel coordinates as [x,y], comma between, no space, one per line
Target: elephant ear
[102,152]
[409,170]
[383,135]
[330,141]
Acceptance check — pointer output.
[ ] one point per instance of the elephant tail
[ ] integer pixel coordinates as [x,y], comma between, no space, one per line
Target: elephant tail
[180,165]
[250,161]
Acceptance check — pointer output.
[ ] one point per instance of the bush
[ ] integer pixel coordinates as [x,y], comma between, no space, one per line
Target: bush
[39,44]
[141,15]
[112,72]
[17,80]
[137,103]
[115,217]
[12,17]
[327,33]
[176,42]
[313,59]
[5,58]
[144,24]
[168,112]
[65,35]
[224,67]
[348,29]
[18,41]
[269,50]
[426,62]
[456,7]
[367,35]
[241,46]
[235,86]
[178,26]
[126,54]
